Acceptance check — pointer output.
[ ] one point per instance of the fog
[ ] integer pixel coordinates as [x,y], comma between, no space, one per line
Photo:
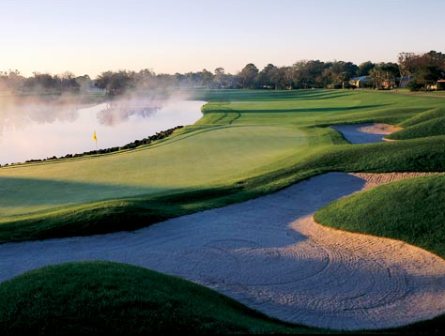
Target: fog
[38,127]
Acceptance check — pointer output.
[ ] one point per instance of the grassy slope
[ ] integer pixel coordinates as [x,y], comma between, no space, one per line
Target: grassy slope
[248,143]
[103,298]
[426,124]
[412,210]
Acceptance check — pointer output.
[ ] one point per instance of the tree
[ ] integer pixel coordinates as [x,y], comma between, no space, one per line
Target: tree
[116,83]
[145,80]
[11,80]
[68,82]
[285,78]
[384,75]
[308,74]
[408,63]
[364,68]
[338,73]
[425,69]
[222,80]
[248,76]
[269,77]
[206,78]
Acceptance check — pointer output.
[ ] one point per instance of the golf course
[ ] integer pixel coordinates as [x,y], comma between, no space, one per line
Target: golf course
[278,211]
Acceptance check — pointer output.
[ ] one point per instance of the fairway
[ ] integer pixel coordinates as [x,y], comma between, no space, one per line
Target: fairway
[246,144]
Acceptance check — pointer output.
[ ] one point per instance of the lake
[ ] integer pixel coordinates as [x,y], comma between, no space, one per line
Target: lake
[42,129]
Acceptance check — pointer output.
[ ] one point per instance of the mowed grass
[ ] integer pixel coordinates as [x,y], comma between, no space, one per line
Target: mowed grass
[104,298]
[425,124]
[218,156]
[247,143]
[412,210]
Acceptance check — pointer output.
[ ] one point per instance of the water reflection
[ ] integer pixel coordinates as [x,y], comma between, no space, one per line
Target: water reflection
[16,112]
[120,111]
[39,128]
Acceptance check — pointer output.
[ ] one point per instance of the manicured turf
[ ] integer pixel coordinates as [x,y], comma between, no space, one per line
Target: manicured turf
[248,143]
[423,129]
[103,298]
[412,210]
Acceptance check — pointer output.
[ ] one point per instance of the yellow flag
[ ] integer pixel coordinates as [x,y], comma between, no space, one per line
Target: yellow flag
[94,136]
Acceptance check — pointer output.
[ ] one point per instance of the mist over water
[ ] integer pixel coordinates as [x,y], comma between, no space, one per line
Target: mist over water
[38,129]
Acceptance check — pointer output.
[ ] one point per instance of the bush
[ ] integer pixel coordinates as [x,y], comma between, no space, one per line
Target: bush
[414,85]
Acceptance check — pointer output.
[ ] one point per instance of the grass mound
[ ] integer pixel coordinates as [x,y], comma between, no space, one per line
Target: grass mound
[427,128]
[424,116]
[412,210]
[103,298]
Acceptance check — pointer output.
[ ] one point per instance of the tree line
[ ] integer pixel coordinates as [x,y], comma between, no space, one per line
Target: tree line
[421,70]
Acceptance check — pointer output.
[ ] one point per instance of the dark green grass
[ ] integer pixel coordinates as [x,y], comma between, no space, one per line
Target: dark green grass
[424,116]
[423,129]
[412,210]
[104,298]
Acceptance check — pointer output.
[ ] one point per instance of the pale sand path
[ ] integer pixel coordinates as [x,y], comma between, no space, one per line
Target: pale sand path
[268,254]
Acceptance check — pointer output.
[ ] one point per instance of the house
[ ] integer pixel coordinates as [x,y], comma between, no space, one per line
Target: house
[388,84]
[361,82]
[404,81]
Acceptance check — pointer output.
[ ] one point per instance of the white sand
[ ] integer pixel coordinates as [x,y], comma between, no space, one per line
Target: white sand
[269,254]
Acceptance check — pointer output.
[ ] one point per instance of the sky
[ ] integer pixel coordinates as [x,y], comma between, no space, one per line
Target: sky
[168,36]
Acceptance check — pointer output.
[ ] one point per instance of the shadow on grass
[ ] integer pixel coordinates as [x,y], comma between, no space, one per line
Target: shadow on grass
[305,109]
[116,211]
[74,208]
[264,95]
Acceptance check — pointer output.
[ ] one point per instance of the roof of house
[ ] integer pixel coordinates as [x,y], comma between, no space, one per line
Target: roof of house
[359,78]
[441,81]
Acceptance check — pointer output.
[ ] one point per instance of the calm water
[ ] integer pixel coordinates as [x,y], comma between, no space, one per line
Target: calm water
[41,130]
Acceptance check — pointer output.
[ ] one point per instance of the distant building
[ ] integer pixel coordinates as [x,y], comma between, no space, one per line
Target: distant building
[388,84]
[361,82]
[404,81]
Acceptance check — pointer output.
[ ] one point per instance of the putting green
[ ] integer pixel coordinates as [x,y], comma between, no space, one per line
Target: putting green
[211,157]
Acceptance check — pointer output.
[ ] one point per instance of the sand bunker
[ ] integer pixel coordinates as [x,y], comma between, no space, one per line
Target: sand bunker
[373,180]
[269,254]
[365,133]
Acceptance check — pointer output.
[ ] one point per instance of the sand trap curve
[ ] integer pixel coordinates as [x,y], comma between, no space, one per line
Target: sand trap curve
[269,254]
[365,133]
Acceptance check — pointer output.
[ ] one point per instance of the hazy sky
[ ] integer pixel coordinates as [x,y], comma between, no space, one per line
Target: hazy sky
[90,36]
